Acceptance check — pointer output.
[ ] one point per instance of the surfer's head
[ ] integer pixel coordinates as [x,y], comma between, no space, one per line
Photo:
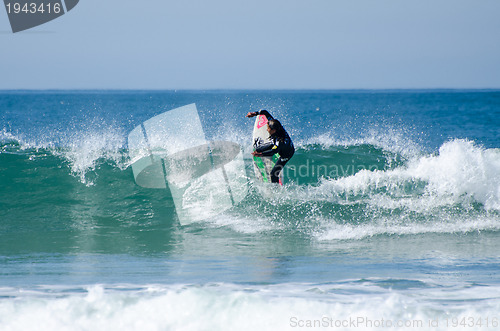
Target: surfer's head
[274,126]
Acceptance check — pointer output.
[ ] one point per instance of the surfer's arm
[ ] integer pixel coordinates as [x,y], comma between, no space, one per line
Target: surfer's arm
[261,112]
[265,113]
[267,149]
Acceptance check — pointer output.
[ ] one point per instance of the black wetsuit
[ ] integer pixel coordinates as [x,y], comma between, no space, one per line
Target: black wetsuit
[280,143]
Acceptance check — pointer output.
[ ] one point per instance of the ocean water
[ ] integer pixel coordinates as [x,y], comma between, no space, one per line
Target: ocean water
[389,217]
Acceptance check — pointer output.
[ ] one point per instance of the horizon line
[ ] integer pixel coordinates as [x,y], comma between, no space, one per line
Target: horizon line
[252,89]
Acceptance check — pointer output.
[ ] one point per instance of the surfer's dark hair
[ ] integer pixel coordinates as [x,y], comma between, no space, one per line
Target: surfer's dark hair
[276,125]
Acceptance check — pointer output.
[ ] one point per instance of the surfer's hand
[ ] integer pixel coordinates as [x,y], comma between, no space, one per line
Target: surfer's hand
[251,114]
[256,153]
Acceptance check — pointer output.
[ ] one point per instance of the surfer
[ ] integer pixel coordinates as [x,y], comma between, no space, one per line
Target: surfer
[280,143]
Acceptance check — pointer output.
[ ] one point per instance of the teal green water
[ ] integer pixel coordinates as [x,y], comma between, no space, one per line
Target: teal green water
[390,209]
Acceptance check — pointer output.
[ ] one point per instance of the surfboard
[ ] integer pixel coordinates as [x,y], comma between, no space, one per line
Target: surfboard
[263,164]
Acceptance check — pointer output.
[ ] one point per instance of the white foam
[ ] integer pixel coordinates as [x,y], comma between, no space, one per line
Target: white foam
[421,197]
[404,226]
[345,305]
[20,141]
[6,136]
[459,172]
[83,150]
[462,168]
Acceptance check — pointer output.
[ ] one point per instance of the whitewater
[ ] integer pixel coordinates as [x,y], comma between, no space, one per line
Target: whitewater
[389,217]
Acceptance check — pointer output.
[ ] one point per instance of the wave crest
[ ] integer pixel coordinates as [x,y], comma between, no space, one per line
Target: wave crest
[460,171]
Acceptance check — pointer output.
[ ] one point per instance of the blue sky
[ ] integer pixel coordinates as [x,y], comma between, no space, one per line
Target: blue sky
[273,44]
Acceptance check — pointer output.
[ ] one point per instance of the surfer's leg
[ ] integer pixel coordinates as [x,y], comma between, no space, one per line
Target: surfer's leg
[275,172]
